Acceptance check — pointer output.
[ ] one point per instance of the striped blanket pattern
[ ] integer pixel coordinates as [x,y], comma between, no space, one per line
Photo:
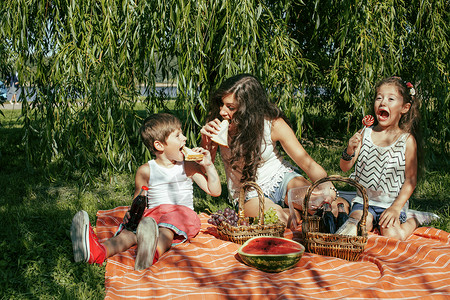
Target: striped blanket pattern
[209,268]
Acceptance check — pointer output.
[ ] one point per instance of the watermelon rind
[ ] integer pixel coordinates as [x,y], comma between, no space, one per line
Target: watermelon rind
[272,263]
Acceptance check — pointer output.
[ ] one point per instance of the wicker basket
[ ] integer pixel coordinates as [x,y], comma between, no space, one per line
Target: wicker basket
[241,233]
[341,246]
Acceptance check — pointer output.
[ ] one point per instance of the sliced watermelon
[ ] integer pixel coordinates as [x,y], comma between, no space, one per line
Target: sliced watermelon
[271,254]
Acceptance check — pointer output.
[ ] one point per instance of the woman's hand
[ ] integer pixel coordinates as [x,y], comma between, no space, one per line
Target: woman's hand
[207,132]
[211,128]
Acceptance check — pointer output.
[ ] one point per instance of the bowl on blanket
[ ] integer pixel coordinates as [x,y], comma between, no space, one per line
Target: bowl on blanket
[271,254]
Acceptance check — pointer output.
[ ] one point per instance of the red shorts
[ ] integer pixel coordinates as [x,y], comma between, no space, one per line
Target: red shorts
[182,220]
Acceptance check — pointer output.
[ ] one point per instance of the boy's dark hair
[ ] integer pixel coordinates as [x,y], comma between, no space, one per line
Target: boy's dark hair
[158,127]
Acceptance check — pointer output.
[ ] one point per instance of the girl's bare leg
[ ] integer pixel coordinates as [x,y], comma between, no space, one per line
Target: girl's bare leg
[357,214]
[401,231]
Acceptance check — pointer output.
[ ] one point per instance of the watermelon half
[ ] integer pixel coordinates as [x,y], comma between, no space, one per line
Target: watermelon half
[271,254]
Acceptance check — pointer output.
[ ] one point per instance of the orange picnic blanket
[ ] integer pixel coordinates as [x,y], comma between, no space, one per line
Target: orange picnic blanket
[207,268]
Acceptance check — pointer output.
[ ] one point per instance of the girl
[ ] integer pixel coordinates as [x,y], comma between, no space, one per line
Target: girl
[256,125]
[386,159]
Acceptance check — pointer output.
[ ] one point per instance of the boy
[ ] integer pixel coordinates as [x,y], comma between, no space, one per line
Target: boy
[169,218]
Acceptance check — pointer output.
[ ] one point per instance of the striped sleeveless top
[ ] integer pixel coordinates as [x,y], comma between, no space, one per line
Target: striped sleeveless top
[381,170]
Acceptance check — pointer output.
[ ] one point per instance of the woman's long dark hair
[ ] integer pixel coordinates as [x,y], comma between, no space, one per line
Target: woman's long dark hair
[253,108]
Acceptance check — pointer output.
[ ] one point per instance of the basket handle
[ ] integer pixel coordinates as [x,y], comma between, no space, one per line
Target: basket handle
[362,222]
[245,186]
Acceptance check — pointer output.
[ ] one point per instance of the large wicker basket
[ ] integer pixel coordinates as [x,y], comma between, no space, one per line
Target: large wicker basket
[241,233]
[341,246]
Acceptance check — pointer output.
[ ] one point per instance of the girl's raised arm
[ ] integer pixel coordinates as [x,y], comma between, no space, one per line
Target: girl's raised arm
[352,150]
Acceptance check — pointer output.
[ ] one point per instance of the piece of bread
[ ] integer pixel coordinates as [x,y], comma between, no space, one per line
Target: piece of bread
[221,137]
[190,155]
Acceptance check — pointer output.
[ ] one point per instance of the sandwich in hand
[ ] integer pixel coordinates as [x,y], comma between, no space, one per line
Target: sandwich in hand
[190,155]
[221,137]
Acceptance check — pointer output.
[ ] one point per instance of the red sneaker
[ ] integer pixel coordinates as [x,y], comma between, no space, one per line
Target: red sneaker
[86,246]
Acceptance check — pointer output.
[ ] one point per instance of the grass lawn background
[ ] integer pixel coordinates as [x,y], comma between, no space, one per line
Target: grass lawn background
[35,248]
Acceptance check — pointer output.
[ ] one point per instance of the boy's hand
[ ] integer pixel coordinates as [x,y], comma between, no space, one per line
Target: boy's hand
[206,161]
[126,217]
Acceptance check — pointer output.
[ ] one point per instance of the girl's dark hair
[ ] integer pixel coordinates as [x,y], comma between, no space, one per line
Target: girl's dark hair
[253,108]
[410,121]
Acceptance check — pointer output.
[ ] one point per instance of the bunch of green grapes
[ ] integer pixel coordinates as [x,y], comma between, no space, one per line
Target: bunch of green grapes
[270,217]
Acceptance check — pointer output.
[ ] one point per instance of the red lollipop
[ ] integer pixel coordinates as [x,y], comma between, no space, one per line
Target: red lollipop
[368,120]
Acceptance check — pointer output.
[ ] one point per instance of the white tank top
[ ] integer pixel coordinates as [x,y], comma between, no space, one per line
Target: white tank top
[381,170]
[268,175]
[169,186]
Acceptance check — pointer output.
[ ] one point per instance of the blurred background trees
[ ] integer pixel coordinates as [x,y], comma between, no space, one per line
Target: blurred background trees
[89,64]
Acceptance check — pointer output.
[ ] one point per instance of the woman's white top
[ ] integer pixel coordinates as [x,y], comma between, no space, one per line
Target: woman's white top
[169,186]
[381,170]
[268,175]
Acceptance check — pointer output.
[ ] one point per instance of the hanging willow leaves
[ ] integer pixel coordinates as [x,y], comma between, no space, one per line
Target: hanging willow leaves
[87,62]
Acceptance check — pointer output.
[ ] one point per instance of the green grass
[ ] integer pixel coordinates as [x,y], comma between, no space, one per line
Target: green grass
[35,248]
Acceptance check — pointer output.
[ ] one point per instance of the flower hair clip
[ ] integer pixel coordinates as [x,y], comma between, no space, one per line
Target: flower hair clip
[410,86]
